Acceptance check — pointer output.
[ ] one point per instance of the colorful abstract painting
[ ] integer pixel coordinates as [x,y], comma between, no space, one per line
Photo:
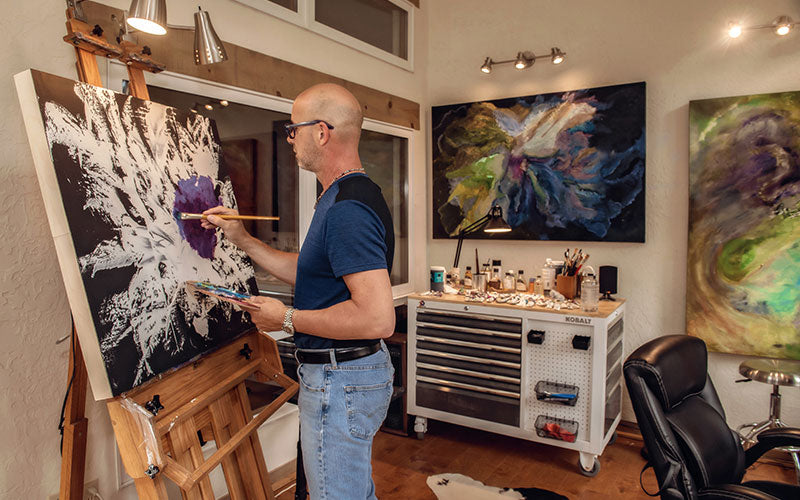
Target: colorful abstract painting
[114,172]
[743,284]
[563,166]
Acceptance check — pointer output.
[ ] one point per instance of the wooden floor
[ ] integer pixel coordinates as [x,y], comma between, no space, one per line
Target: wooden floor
[402,464]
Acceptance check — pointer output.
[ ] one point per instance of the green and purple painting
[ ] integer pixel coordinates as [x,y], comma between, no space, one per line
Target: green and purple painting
[743,281]
[566,166]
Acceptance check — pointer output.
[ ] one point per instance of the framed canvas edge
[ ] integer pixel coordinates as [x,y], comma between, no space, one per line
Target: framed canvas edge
[62,238]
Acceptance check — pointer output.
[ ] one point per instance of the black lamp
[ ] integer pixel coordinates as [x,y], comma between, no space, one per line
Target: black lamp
[494,224]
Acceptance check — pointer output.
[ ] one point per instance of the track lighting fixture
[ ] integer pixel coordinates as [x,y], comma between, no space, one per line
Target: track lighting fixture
[781,26]
[525,59]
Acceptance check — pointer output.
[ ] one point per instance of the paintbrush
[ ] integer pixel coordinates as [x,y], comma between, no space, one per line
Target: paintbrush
[190,216]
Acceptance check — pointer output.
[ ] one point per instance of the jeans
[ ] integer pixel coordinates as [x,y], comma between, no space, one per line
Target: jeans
[342,405]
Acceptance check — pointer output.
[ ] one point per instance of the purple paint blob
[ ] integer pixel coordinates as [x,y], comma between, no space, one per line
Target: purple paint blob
[195,195]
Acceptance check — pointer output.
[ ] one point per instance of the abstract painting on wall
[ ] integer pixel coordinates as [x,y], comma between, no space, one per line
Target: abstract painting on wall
[743,283]
[563,166]
[114,171]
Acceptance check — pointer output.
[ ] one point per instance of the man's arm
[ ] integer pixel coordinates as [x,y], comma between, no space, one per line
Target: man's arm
[368,314]
[282,265]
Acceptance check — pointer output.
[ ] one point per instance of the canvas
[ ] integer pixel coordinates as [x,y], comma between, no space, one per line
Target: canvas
[563,166]
[743,283]
[113,171]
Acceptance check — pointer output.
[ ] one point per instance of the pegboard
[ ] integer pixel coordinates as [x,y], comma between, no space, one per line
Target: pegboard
[556,360]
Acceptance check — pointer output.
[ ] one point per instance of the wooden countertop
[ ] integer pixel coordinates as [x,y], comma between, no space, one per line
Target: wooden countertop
[606,307]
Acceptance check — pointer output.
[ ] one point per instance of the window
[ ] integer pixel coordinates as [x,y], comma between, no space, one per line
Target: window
[265,176]
[381,28]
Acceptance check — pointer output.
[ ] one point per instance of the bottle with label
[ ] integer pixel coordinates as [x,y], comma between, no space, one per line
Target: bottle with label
[509,283]
[468,277]
[497,272]
[538,286]
[548,275]
[521,281]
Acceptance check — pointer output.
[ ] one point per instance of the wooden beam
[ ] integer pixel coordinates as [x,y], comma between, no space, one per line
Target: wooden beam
[253,70]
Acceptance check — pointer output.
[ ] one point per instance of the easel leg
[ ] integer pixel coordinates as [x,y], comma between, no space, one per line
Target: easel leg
[73,450]
[134,456]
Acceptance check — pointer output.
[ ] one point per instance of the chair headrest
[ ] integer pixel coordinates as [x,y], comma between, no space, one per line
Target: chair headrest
[673,366]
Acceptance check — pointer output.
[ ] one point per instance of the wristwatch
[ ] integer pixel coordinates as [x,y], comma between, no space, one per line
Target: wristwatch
[288,326]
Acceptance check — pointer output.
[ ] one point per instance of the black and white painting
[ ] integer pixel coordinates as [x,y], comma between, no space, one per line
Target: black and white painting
[115,171]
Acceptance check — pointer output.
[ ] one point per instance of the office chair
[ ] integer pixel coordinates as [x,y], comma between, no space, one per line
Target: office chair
[693,452]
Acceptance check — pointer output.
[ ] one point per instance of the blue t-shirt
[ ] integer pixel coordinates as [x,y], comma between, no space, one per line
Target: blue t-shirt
[351,231]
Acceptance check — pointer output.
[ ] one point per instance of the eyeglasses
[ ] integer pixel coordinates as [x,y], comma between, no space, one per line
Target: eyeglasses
[291,128]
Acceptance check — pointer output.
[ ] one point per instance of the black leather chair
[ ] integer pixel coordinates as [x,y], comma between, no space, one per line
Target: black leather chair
[693,452]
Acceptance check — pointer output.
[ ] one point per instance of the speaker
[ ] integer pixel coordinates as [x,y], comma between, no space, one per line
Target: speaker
[608,282]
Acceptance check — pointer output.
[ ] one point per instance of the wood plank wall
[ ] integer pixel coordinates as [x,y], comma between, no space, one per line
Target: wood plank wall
[253,70]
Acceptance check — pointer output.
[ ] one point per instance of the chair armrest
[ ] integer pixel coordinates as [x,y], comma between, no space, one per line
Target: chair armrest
[769,439]
[733,492]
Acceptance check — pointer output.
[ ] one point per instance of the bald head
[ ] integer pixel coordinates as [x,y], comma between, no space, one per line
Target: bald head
[334,104]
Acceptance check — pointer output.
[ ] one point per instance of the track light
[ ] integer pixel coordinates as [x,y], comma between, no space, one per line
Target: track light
[223,103]
[525,59]
[556,56]
[209,107]
[781,26]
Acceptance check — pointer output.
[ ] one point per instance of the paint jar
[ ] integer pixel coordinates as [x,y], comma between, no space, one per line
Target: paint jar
[590,291]
[509,283]
[479,281]
[437,278]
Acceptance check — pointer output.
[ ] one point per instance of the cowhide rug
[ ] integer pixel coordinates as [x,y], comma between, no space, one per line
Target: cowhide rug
[460,487]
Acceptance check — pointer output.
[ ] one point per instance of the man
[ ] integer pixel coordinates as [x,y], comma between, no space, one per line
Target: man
[343,297]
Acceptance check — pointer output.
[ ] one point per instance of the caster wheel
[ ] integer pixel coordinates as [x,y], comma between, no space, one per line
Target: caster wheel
[420,435]
[590,473]
[613,439]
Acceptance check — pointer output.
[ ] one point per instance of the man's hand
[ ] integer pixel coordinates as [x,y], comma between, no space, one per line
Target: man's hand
[234,229]
[269,317]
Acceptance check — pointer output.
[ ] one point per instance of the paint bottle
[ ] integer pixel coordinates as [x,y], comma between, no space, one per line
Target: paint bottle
[468,278]
[521,281]
[509,283]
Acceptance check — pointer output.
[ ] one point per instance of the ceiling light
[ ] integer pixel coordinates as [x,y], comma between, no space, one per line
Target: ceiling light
[520,62]
[525,59]
[783,25]
[209,107]
[208,48]
[149,16]
[223,103]
[556,56]
[734,30]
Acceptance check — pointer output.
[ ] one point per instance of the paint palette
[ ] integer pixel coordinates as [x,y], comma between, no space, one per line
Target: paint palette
[232,296]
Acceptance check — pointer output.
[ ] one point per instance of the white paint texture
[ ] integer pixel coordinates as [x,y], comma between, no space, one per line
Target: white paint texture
[33,304]
[680,49]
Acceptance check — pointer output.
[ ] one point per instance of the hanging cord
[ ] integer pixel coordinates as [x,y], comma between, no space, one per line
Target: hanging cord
[69,388]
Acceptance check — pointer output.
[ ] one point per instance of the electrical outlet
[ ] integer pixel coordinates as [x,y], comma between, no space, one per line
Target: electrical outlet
[92,485]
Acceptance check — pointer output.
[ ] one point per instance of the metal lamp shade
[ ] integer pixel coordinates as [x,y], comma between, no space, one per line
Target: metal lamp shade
[149,16]
[208,48]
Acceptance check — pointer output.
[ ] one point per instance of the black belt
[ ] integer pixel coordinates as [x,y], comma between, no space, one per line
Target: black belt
[321,356]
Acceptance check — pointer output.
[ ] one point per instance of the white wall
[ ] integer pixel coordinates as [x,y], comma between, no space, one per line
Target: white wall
[680,49]
[33,306]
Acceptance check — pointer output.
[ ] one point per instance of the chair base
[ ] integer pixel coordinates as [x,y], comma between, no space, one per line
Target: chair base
[750,438]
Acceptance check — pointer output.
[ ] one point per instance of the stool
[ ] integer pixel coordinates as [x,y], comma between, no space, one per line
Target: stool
[777,372]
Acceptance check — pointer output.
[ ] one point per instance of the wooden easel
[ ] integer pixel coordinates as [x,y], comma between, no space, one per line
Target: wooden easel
[158,427]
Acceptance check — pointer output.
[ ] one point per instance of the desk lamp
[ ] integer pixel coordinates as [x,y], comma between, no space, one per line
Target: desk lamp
[494,224]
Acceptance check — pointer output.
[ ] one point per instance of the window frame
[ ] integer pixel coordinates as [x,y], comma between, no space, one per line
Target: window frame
[305,18]
[307,182]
